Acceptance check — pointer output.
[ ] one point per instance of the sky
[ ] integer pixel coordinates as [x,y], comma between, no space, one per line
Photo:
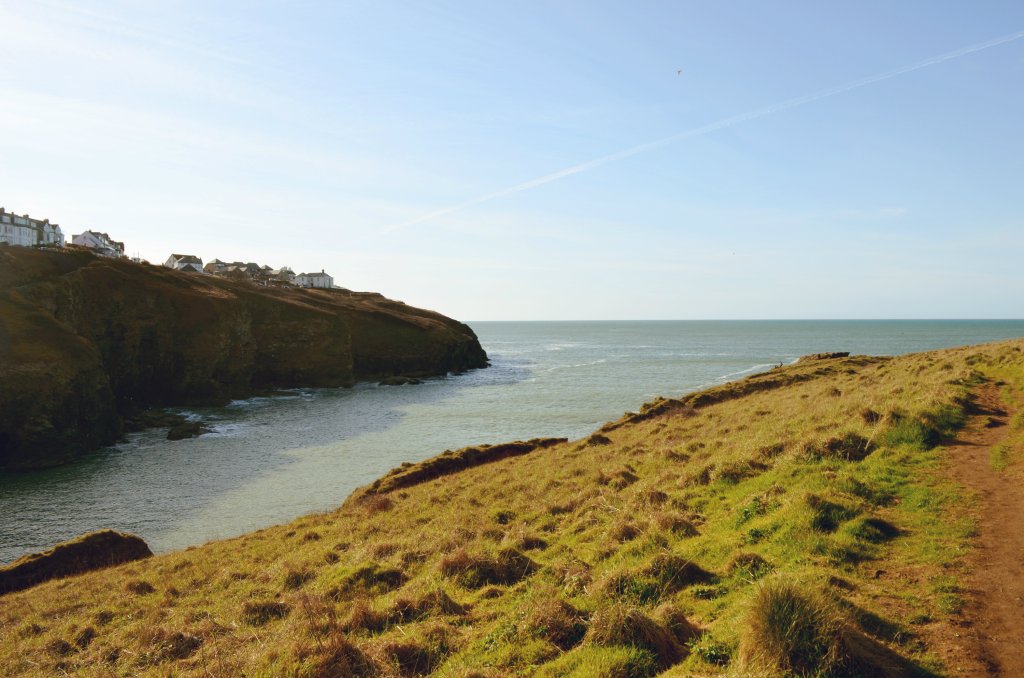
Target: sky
[560,160]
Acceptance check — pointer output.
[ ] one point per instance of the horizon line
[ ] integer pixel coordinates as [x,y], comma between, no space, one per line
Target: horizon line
[675,320]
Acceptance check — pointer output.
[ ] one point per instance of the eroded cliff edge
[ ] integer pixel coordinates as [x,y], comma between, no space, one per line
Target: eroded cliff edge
[87,341]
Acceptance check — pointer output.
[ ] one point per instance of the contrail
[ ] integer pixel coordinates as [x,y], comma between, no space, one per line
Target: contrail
[706,129]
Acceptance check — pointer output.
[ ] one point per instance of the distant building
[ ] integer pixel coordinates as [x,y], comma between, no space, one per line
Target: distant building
[240,270]
[215,267]
[185,262]
[283,274]
[24,231]
[319,280]
[101,242]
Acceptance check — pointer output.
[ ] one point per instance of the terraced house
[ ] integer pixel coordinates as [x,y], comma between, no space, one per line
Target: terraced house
[185,262]
[101,243]
[24,231]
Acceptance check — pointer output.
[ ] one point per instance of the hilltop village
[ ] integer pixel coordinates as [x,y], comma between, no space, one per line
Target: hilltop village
[25,231]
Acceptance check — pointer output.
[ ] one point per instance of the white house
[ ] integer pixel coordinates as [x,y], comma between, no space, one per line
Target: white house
[320,280]
[24,231]
[101,242]
[185,262]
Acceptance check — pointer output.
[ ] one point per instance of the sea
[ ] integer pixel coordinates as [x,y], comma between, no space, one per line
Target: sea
[272,459]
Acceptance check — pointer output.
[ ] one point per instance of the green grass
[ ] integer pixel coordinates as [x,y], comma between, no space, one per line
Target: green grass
[636,554]
[999,457]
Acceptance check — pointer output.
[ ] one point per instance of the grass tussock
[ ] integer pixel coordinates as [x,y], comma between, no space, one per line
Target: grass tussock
[790,630]
[627,626]
[258,613]
[507,566]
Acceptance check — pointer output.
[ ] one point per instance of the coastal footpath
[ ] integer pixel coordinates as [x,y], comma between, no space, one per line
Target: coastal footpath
[842,516]
[87,343]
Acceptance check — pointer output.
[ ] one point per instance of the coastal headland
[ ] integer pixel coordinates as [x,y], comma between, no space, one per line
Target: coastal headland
[821,518]
[87,343]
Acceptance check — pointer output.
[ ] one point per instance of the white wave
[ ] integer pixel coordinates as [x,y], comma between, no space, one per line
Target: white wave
[755,368]
[570,367]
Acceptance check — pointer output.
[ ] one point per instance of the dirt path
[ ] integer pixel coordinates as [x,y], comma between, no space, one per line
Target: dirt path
[994,626]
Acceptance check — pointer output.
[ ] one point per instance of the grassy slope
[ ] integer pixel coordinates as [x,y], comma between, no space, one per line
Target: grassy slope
[571,559]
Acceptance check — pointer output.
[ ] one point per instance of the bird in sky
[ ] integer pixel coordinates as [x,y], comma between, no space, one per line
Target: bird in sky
[679,72]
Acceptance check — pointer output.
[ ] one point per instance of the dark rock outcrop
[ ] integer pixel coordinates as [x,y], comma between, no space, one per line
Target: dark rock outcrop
[92,551]
[448,462]
[400,381]
[824,356]
[86,342]
[188,429]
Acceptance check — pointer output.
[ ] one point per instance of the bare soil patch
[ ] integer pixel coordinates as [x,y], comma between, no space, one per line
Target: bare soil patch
[992,638]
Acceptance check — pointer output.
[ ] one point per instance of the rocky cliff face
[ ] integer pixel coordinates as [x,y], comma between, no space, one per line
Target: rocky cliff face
[86,341]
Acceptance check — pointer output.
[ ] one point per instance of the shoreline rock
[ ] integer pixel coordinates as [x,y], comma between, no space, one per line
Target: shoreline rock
[91,551]
[188,429]
[399,381]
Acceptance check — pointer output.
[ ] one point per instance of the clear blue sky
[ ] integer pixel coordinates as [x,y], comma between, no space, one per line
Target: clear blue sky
[325,135]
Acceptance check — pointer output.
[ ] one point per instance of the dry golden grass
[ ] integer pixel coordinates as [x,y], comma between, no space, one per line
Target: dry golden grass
[641,551]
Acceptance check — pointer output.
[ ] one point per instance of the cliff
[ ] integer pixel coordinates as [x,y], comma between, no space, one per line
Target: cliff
[87,341]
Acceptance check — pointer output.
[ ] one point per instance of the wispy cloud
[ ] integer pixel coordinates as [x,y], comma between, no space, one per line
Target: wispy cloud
[705,129]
